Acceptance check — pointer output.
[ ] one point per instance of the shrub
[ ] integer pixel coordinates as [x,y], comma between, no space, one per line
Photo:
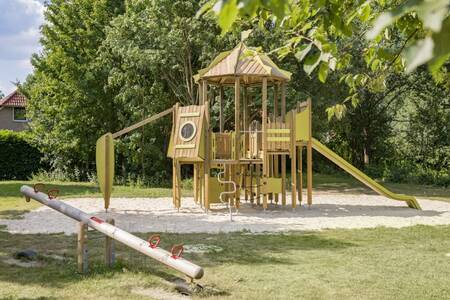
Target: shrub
[19,159]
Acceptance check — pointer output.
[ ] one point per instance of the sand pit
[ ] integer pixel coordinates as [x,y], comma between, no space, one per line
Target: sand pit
[158,215]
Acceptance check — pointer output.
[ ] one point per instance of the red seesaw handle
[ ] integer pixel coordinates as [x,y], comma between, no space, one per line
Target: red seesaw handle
[177,251]
[52,194]
[154,241]
[38,187]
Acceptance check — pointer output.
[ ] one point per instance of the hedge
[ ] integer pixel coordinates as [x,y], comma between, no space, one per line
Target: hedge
[18,158]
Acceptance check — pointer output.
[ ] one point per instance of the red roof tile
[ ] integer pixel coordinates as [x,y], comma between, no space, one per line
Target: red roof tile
[15,99]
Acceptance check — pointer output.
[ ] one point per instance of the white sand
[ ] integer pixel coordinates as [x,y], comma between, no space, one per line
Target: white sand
[158,215]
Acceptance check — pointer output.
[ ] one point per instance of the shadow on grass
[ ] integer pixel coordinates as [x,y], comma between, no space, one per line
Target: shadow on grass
[238,248]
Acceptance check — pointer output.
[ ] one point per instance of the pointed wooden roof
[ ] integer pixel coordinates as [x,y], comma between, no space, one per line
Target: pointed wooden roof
[244,62]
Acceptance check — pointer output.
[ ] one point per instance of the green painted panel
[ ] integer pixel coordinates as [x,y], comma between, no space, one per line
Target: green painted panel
[302,125]
[105,165]
[271,185]
[215,188]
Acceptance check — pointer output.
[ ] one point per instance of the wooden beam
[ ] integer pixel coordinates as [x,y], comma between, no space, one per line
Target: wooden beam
[300,174]
[293,163]
[309,157]
[237,127]
[178,184]
[205,91]
[245,169]
[283,157]
[221,120]
[276,158]
[174,183]
[142,123]
[207,133]
[264,130]
[195,183]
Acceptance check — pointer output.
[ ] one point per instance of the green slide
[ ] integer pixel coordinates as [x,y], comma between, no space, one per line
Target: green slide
[369,182]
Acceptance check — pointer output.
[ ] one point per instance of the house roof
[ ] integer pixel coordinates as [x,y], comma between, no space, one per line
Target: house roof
[15,99]
[244,62]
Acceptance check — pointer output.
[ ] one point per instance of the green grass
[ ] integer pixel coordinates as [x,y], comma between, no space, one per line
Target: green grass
[347,184]
[12,205]
[379,263]
[337,264]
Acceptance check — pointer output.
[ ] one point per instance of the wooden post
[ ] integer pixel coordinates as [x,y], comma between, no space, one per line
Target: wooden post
[258,184]
[110,255]
[195,183]
[207,151]
[174,182]
[201,182]
[252,200]
[178,184]
[309,156]
[276,158]
[82,250]
[246,134]
[264,129]
[174,170]
[293,163]
[237,125]
[221,125]
[283,157]
[300,174]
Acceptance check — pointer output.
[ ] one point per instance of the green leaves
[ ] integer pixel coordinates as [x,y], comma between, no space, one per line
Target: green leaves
[324,59]
[434,45]
[311,62]
[419,53]
[337,111]
[227,13]
[323,72]
[302,51]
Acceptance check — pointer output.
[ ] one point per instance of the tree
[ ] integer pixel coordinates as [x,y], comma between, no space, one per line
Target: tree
[152,52]
[67,102]
[317,33]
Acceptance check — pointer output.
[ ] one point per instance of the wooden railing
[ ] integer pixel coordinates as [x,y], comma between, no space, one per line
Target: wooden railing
[223,145]
[278,137]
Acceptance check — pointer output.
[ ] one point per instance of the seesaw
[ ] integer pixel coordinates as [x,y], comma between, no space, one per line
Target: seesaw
[149,248]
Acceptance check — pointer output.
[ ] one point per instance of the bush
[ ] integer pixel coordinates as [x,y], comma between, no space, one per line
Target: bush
[18,158]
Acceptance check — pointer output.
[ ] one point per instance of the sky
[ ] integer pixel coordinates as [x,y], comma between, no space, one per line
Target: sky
[19,39]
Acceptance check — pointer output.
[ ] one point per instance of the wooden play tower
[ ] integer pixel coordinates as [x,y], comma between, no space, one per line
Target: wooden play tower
[246,155]
[250,158]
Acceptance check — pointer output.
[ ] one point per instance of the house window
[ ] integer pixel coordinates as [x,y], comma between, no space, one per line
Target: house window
[19,114]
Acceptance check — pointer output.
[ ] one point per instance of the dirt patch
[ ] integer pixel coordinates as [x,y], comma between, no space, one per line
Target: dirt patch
[202,248]
[328,211]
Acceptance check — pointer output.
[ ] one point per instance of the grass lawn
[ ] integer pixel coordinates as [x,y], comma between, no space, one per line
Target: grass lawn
[408,263]
[381,263]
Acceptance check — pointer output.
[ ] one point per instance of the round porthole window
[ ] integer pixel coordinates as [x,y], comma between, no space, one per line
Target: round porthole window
[188,131]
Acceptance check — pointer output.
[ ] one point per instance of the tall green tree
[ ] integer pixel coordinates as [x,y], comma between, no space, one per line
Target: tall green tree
[152,52]
[67,102]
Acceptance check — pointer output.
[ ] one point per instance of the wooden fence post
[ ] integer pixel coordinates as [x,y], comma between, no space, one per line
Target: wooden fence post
[110,255]
[82,250]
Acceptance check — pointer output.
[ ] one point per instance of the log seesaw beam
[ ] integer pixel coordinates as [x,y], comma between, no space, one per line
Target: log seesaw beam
[173,260]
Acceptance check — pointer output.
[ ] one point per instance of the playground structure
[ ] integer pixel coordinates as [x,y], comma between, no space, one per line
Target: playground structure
[250,157]
[149,248]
